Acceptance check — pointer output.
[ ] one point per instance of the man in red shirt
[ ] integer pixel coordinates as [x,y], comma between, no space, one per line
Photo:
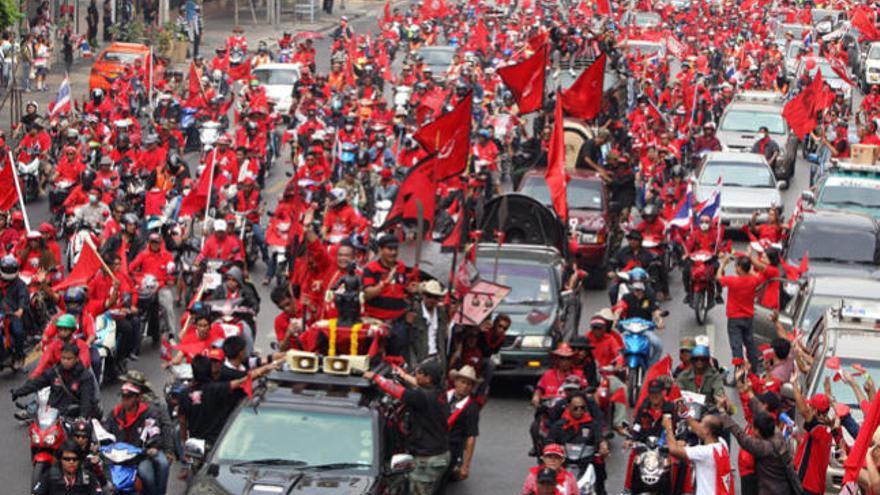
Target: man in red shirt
[221,245]
[741,290]
[288,323]
[814,450]
[157,261]
[606,344]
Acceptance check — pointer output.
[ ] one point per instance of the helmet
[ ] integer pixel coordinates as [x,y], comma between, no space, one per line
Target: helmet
[9,267]
[338,195]
[74,295]
[638,274]
[649,211]
[34,104]
[81,427]
[66,321]
[97,93]
[700,351]
[130,219]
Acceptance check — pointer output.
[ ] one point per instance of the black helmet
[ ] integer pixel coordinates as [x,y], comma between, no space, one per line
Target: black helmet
[81,427]
[88,179]
[251,126]
[74,295]
[9,267]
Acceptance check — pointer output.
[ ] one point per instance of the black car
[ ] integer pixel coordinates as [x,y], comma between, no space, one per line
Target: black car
[835,242]
[306,433]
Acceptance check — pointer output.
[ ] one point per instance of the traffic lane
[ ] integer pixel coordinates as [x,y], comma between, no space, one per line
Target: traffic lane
[500,463]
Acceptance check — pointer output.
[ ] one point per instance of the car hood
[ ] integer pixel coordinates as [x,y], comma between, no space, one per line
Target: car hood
[528,319]
[744,140]
[743,197]
[278,91]
[873,212]
[819,269]
[593,220]
[273,481]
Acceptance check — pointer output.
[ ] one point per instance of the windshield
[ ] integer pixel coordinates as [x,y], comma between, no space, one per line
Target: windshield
[859,247]
[737,174]
[276,77]
[874,52]
[437,57]
[839,389]
[529,284]
[827,71]
[122,57]
[582,194]
[751,121]
[851,193]
[276,433]
[796,31]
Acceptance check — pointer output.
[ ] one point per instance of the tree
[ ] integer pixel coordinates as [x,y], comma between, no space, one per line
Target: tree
[9,13]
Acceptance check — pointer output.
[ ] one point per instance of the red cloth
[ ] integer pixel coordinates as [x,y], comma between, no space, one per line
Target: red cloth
[741,294]
[229,249]
[814,450]
[419,186]
[856,458]
[87,265]
[52,356]
[605,349]
[449,138]
[526,81]
[552,379]
[556,176]
[8,192]
[584,98]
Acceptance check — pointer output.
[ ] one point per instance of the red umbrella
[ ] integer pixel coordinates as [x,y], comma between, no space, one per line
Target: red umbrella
[308,35]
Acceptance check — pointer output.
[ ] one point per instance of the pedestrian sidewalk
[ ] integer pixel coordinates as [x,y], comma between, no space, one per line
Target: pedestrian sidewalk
[218,25]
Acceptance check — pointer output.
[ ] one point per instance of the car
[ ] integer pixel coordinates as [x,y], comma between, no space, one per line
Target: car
[308,432]
[825,20]
[542,310]
[806,300]
[837,83]
[112,61]
[641,19]
[835,242]
[849,187]
[746,114]
[849,332]
[438,58]
[870,73]
[588,225]
[278,80]
[643,48]
[793,54]
[747,185]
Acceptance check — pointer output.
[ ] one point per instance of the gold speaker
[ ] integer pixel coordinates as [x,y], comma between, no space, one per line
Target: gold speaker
[302,362]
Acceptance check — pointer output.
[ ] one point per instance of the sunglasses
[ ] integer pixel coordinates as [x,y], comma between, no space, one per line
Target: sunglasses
[70,459]
[578,408]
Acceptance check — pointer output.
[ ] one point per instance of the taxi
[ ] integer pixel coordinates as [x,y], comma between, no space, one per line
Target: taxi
[112,61]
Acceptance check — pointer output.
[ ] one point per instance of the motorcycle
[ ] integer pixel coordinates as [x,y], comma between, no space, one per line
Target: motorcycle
[209,131]
[76,242]
[57,194]
[652,469]
[579,462]
[636,354]
[123,459]
[149,309]
[702,284]
[46,434]
[7,358]
[277,236]
[105,340]
[401,98]
[29,177]
[181,378]
[248,239]
[383,207]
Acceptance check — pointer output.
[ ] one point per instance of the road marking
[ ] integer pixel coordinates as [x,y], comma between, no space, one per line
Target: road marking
[276,187]
[710,332]
[34,355]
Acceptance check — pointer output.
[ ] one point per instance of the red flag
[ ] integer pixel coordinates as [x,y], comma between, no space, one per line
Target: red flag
[603,7]
[663,367]
[88,264]
[804,265]
[453,240]
[856,458]
[479,39]
[430,105]
[538,41]
[618,396]
[386,14]
[526,81]
[863,22]
[248,386]
[839,68]
[198,195]
[195,86]
[556,177]
[449,138]
[8,191]
[800,112]
[241,71]
[434,8]
[584,98]
[419,185]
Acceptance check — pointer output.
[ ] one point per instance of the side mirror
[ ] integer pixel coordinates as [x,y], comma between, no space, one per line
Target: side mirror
[194,448]
[808,197]
[402,464]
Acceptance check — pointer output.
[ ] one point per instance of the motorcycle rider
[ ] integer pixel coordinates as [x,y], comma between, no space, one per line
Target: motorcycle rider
[706,238]
[68,476]
[702,377]
[247,200]
[64,326]
[553,456]
[577,426]
[157,261]
[707,141]
[637,304]
[341,220]
[14,300]
[94,212]
[628,257]
[234,286]
[221,245]
[654,227]
[116,292]
[70,385]
[140,423]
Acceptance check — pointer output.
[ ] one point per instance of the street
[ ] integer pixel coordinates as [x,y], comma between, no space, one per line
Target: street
[500,463]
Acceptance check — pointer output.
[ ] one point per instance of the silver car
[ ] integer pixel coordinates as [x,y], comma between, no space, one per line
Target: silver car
[746,114]
[747,185]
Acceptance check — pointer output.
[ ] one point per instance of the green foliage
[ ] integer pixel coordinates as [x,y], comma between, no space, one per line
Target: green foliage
[9,13]
[131,32]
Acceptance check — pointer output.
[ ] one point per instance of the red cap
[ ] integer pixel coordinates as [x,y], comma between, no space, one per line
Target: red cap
[385,173]
[820,402]
[563,350]
[214,354]
[554,449]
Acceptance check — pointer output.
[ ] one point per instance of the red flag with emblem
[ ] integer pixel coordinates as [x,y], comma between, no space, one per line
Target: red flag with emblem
[434,8]
[584,98]
[526,81]
[556,176]
[449,138]
[241,71]
[419,186]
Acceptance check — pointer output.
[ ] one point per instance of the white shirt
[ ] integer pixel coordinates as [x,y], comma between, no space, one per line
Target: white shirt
[431,319]
[703,457]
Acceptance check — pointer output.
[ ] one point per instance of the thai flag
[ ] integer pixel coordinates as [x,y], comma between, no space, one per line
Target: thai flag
[62,102]
[684,212]
[808,38]
[711,207]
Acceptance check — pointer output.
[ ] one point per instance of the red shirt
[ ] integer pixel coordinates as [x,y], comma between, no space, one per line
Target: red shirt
[552,379]
[155,264]
[229,249]
[390,304]
[605,349]
[813,455]
[52,355]
[282,321]
[741,294]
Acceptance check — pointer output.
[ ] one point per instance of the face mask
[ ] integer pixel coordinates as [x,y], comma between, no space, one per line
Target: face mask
[704,227]
[380,144]
[349,128]
[93,199]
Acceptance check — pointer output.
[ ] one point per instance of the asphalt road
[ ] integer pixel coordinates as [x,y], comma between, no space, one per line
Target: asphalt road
[500,463]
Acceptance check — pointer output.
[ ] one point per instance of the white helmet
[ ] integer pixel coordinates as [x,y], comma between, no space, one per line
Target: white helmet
[338,195]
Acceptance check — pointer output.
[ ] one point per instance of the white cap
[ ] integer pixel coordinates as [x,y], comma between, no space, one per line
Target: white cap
[219,225]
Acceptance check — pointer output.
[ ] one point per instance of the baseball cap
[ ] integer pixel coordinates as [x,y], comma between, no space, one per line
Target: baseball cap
[655,386]
[389,241]
[553,449]
[130,388]
[820,402]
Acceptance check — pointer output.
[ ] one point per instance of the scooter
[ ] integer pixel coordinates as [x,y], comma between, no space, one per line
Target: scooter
[636,354]
[277,239]
[105,340]
[383,207]
[46,433]
[149,309]
[122,459]
[579,462]
[209,131]
[29,175]
[702,284]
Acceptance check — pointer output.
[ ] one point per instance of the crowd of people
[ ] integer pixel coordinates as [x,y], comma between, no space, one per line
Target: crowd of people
[162,247]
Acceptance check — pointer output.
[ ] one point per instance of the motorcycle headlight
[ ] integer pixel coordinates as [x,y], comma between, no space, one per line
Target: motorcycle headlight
[35,437]
[650,462]
[537,342]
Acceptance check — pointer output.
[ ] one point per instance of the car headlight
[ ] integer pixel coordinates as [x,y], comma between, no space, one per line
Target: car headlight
[537,342]
[873,70]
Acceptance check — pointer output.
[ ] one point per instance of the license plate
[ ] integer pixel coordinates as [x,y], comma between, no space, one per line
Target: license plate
[737,222]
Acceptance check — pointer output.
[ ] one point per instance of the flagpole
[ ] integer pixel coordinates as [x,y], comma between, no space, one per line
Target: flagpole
[27,223]
[210,190]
